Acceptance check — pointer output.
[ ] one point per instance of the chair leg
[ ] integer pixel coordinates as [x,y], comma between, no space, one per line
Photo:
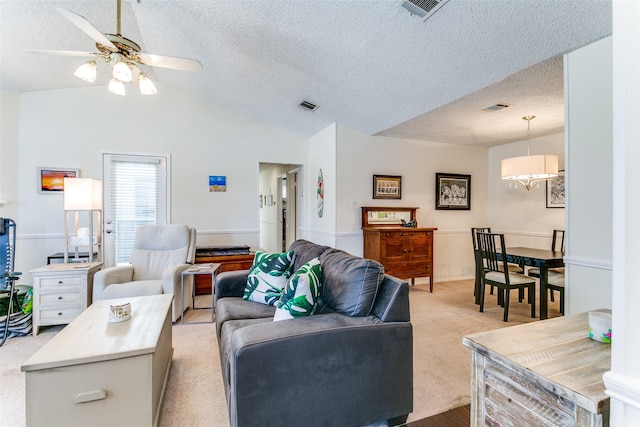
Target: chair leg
[552,298]
[561,301]
[482,296]
[532,300]
[8,318]
[507,295]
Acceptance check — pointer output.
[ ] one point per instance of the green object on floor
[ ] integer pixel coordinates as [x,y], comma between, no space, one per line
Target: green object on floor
[23,301]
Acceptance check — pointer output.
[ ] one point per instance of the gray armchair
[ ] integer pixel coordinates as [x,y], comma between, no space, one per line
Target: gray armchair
[159,255]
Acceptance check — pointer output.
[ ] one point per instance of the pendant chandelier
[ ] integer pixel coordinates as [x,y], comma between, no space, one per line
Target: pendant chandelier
[529,170]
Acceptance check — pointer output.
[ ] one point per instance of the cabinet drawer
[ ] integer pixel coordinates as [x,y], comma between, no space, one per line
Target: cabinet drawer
[68,281]
[406,270]
[63,298]
[60,315]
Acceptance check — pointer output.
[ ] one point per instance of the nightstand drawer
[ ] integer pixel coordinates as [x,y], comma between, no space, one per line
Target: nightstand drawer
[60,315]
[67,281]
[62,298]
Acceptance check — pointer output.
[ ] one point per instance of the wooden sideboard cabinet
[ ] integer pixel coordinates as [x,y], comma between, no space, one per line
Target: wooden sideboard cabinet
[405,252]
[230,262]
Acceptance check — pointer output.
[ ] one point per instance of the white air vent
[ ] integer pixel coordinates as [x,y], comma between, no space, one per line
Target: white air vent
[423,8]
[496,107]
[309,106]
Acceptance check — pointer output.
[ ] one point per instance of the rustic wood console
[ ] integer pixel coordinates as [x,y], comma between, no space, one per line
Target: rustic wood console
[405,252]
[546,373]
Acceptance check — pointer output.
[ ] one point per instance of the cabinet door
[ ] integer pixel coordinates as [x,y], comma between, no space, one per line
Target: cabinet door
[419,246]
[393,248]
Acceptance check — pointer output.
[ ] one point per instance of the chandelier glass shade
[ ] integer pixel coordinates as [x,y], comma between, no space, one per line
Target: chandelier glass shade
[87,71]
[529,170]
[123,72]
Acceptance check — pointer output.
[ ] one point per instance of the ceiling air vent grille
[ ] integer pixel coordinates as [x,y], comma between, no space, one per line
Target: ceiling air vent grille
[309,106]
[496,107]
[422,8]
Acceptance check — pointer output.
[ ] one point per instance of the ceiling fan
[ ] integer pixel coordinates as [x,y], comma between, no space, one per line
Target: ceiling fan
[122,54]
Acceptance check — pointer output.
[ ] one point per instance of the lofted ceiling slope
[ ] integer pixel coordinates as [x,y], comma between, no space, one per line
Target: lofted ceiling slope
[369,65]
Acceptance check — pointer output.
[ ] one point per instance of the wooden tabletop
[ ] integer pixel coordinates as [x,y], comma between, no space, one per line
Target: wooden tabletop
[544,254]
[91,338]
[555,353]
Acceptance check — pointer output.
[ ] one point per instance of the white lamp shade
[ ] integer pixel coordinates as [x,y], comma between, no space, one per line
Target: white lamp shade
[82,194]
[116,86]
[122,72]
[530,167]
[146,85]
[87,71]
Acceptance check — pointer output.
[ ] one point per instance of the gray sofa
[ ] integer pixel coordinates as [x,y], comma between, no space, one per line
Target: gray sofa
[350,364]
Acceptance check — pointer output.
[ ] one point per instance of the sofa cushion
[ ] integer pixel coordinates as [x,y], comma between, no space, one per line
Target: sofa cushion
[238,308]
[350,283]
[268,277]
[305,251]
[300,297]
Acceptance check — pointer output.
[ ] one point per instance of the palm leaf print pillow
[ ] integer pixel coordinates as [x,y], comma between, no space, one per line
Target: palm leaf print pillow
[300,296]
[268,277]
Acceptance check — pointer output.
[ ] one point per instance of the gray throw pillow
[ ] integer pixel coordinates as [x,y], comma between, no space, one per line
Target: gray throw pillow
[350,283]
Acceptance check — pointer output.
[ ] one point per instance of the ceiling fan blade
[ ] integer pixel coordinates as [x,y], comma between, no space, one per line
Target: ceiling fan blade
[87,27]
[60,52]
[184,64]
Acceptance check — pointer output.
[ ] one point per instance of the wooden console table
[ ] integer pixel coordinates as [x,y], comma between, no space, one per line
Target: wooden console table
[230,262]
[541,373]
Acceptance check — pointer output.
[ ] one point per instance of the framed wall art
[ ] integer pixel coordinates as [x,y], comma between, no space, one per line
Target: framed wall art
[51,180]
[453,191]
[555,191]
[387,187]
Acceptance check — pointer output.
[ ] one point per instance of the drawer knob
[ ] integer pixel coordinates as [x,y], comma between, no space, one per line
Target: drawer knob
[60,314]
[60,282]
[60,297]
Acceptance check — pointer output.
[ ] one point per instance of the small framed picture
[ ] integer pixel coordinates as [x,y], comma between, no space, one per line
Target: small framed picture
[51,180]
[453,191]
[387,187]
[555,191]
[217,183]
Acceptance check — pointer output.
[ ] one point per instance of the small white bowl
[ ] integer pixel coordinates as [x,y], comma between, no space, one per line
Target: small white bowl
[119,312]
[600,326]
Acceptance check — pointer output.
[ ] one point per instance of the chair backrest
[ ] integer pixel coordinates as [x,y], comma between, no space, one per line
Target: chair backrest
[7,248]
[489,246]
[558,237]
[474,232]
[158,247]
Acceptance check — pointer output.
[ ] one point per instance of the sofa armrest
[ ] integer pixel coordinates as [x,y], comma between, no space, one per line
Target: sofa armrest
[110,276]
[392,301]
[359,367]
[231,283]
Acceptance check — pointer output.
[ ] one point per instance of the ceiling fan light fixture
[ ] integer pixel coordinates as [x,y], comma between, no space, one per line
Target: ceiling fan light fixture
[116,86]
[87,71]
[146,85]
[122,72]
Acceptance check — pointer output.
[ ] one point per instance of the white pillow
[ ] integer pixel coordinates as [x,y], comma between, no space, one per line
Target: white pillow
[300,296]
[268,277]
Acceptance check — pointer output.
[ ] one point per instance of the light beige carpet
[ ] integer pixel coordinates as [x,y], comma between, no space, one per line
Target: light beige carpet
[195,394]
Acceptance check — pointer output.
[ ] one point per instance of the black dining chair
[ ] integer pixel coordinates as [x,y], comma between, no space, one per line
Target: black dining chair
[495,271]
[557,243]
[478,260]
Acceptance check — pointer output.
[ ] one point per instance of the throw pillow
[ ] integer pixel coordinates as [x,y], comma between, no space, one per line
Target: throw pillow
[268,277]
[300,296]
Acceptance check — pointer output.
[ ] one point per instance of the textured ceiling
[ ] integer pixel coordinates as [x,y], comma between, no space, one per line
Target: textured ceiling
[369,65]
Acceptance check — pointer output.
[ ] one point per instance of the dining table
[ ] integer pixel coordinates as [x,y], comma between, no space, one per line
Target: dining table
[544,259]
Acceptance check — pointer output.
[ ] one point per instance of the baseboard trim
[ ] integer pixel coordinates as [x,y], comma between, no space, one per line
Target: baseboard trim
[586,262]
[622,388]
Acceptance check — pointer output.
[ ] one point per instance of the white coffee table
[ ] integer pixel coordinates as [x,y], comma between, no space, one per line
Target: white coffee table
[103,374]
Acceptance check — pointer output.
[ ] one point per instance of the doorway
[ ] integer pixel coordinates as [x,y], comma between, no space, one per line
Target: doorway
[279,205]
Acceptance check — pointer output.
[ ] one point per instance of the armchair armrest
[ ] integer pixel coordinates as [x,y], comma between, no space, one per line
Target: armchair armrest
[231,283]
[171,278]
[357,365]
[110,276]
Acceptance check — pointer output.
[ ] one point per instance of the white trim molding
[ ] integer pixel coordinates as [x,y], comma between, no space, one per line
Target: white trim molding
[587,262]
[622,388]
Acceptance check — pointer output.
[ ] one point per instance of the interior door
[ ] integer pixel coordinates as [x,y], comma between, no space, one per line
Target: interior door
[135,194]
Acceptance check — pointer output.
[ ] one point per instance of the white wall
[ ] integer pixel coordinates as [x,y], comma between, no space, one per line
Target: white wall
[322,156]
[9,136]
[589,179]
[361,156]
[623,382]
[70,128]
[522,215]
[269,219]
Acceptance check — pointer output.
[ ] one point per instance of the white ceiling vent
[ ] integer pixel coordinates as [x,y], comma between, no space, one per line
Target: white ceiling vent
[496,107]
[309,106]
[423,8]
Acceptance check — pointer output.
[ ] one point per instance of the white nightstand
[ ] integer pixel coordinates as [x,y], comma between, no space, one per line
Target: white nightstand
[61,292]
